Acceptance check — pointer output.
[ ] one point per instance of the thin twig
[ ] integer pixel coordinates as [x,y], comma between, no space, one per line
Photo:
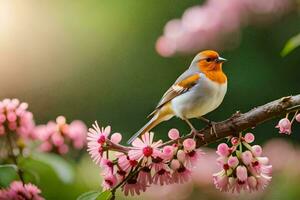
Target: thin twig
[14,158]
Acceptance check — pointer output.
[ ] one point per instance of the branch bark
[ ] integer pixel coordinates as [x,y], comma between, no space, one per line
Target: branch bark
[240,122]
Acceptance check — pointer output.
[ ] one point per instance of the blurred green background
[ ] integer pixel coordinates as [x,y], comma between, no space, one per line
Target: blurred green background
[95,60]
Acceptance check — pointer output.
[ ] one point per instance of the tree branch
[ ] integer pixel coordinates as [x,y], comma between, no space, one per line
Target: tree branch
[240,122]
[237,123]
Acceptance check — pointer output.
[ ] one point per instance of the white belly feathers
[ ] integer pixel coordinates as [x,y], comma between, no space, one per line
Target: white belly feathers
[203,98]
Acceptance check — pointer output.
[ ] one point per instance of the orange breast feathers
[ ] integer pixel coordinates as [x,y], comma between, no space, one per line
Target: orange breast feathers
[216,76]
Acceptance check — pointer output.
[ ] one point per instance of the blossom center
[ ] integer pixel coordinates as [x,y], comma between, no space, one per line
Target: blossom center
[110,164]
[146,169]
[181,169]
[100,150]
[157,160]
[132,181]
[121,172]
[101,139]
[161,172]
[225,166]
[254,164]
[109,182]
[192,153]
[132,163]
[147,151]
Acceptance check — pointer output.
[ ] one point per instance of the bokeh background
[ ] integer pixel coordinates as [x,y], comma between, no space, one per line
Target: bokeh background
[96,60]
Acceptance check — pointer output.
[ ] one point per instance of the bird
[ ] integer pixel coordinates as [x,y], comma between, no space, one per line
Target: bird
[196,92]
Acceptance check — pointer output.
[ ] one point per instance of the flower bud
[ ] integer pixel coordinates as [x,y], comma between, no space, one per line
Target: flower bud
[173,134]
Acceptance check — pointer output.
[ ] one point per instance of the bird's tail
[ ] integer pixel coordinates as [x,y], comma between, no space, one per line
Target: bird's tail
[163,115]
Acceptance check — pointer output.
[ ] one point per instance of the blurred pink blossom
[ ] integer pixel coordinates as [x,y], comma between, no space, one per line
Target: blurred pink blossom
[18,191]
[284,156]
[14,117]
[298,118]
[58,136]
[216,24]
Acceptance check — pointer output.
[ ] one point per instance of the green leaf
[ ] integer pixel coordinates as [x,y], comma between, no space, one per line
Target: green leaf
[106,195]
[31,176]
[12,166]
[291,44]
[61,167]
[96,195]
[8,173]
[91,195]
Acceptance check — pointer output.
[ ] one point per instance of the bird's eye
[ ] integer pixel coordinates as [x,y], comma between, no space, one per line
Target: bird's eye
[208,59]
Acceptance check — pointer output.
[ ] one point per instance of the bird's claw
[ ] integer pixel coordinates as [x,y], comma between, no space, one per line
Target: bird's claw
[195,134]
[213,128]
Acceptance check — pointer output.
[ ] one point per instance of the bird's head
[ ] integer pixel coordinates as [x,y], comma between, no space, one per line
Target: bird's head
[208,60]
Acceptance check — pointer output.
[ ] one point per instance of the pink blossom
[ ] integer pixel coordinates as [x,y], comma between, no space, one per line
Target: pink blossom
[233,161]
[189,144]
[247,157]
[125,163]
[96,138]
[192,158]
[234,141]
[162,177]
[192,32]
[18,191]
[14,116]
[223,149]
[168,152]
[249,137]
[132,187]
[243,168]
[77,133]
[59,136]
[116,138]
[173,134]
[221,181]
[145,148]
[284,126]
[181,156]
[45,146]
[175,164]
[144,176]
[63,149]
[157,164]
[297,118]
[256,150]
[109,181]
[107,165]
[241,173]
[181,175]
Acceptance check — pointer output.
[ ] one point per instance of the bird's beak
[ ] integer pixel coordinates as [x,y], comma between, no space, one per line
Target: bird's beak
[221,60]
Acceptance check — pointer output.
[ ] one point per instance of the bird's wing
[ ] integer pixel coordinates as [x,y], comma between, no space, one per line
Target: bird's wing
[183,84]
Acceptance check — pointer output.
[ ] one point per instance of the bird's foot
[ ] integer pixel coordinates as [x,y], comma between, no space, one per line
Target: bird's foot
[195,134]
[212,125]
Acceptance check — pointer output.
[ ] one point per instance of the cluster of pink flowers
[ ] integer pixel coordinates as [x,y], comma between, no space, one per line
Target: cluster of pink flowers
[217,24]
[18,191]
[57,136]
[285,125]
[146,162]
[14,117]
[243,167]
